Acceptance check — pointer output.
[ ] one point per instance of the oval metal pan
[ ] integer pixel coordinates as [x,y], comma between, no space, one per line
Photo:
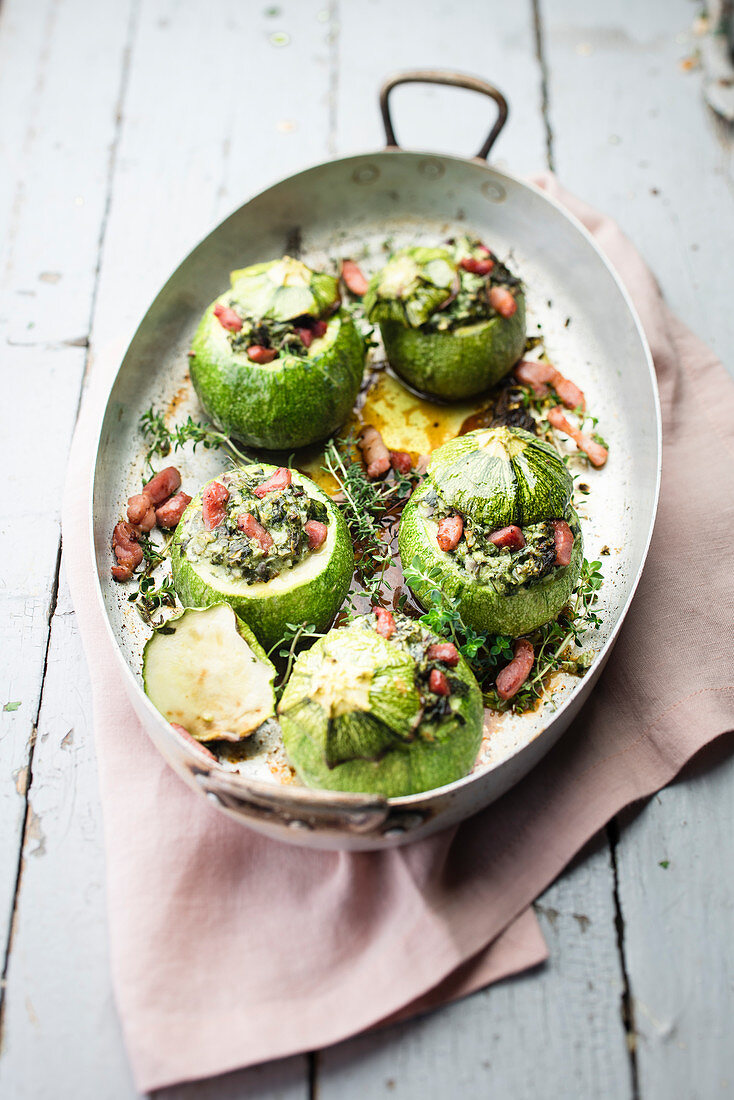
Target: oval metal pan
[333,209]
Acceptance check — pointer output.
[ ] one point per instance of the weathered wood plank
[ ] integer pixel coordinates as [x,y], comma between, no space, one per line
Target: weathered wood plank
[558,1031]
[48,254]
[493,41]
[656,158]
[185,155]
[59,948]
[192,149]
[676,869]
[633,136]
[552,1032]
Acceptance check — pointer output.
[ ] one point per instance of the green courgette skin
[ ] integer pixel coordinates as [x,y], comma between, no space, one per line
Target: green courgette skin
[315,600]
[288,403]
[457,364]
[408,768]
[500,476]
[201,684]
[480,606]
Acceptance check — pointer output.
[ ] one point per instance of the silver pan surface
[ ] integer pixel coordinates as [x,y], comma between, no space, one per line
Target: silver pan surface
[351,207]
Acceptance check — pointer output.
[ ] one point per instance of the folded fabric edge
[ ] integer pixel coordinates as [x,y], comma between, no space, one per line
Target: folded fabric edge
[199,1061]
[518,947]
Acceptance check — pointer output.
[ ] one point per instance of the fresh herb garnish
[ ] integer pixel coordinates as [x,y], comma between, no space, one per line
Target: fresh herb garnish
[148,597]
[484,653]
[162,439]
[12,706]
[293,635]
[557,644]
[368,508]
[487,653]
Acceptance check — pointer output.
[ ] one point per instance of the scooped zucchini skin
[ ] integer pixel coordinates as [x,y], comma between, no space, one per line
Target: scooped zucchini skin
[408,768]
[288,403]
[315,599]
[479,605]
[459,363]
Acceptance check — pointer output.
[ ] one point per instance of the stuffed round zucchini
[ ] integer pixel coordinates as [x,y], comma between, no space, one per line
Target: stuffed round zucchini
[494,526]
[381,706]
[270,543]
[452,319]
[275,361]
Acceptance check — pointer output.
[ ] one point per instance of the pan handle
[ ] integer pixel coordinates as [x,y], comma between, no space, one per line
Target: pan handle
[453,80]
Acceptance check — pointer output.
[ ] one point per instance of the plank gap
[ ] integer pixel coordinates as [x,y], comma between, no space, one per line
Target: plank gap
[544,83]
[313,1075]
[27,797]
[53,602]
[627,1007]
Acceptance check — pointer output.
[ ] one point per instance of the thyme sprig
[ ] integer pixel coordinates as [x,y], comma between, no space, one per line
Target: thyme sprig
[162,440]
[288,647]
[368,508]
[150,597]
[484,653]
[554,643]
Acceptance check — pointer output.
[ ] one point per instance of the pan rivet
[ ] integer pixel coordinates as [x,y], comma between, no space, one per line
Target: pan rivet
[431,169]
[366,173]
[296,824]
[495,192]
[396,830]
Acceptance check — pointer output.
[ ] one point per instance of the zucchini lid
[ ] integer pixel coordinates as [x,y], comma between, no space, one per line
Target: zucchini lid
[502,476]
[352,717]
[206,671]
[411,286]
[355,691]
[283,290]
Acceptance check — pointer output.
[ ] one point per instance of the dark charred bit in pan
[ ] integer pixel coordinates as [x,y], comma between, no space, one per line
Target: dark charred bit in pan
[507,409]
[510,410]
[294,243]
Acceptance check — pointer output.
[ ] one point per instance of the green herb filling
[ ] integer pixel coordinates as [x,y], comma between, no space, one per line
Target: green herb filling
[503,569]
[471,303]
[283,513]
[285,337]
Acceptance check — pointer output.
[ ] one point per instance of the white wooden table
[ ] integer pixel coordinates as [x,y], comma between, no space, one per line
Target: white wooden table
[128,128]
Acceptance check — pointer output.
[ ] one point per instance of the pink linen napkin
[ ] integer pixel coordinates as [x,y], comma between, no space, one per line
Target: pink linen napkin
[229,949]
